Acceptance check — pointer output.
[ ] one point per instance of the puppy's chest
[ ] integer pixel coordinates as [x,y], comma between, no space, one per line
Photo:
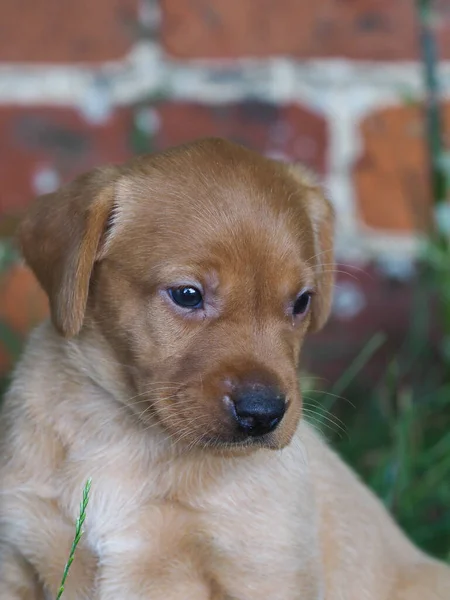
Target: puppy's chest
[240,534]
[221,513]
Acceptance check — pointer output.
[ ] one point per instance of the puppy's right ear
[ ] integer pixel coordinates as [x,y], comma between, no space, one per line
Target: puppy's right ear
[60,239]
[322,218]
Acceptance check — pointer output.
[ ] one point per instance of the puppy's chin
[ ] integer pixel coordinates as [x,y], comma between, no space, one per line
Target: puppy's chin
[245,445]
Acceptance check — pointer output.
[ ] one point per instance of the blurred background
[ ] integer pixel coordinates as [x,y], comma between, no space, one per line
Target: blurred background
[359,90]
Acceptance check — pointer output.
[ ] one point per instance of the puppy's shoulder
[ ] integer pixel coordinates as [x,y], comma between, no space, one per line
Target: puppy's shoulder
[27,436]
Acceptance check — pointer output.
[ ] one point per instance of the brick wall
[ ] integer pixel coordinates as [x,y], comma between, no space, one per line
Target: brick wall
[333,83]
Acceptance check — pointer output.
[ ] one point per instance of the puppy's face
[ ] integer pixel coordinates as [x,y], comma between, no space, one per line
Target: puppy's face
[210,264]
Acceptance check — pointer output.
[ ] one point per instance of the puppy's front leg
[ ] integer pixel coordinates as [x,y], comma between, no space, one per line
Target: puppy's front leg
[138,580]
[156,556]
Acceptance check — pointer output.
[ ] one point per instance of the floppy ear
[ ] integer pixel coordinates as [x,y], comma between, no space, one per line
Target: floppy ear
[60,239]
[321,214]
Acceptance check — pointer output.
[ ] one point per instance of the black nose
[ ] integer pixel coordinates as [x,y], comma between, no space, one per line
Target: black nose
[258,410]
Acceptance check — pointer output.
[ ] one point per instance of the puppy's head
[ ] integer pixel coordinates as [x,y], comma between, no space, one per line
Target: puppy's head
[202,268]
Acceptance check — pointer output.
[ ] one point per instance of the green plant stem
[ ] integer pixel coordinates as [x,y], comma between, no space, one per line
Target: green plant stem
[78,533]
[433,108]
[358,363]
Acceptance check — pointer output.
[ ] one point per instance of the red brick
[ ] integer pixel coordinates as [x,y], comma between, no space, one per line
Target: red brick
[289,131]
[23,304]
[56,138]
[391,176]
[62,32]
[22,301]
[358,29]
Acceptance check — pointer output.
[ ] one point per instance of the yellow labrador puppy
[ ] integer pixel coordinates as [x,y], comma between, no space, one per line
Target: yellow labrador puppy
[181,288]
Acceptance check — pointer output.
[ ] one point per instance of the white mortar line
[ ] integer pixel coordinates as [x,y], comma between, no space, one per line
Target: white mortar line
[342,91]
[146,71]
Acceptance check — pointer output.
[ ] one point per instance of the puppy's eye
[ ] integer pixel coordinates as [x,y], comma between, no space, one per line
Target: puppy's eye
[302,303]
[186,296]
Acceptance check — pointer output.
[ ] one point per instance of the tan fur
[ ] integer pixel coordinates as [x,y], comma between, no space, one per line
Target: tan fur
[128,389]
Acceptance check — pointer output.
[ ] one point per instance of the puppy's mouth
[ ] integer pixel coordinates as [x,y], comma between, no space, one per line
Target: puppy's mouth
[221,436]
[212,434]
[239,443]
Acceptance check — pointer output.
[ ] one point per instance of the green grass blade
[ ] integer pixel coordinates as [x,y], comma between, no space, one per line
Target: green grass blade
[359,363]
[78,533]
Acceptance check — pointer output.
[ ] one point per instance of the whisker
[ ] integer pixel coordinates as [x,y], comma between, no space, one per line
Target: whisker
[327,251]
[336,271]
[330,420]
[337,397]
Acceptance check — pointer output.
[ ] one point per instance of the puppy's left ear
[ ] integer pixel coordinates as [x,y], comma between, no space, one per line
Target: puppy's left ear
[322,218]
[60,239]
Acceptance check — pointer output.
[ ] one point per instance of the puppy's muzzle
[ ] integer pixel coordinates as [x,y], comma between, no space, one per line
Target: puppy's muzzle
[257,409]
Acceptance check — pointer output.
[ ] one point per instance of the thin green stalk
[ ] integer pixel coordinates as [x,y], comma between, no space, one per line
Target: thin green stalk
[404,454]
[78,533]
[433,109]
[358,363]
[438,161]
[327,401]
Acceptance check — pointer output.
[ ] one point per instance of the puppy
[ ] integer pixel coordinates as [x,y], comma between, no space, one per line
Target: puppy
[181,288]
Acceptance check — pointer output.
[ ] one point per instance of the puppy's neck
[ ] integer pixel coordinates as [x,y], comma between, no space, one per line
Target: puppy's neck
[93,358]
